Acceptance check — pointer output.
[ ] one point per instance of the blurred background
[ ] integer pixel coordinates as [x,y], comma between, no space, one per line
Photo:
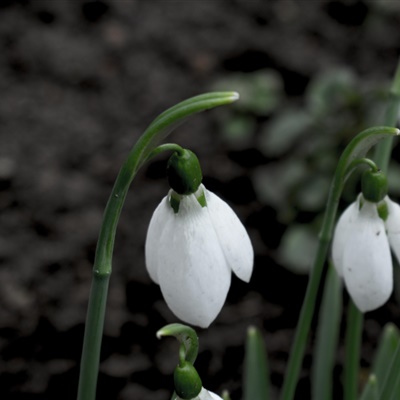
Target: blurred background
[79,83]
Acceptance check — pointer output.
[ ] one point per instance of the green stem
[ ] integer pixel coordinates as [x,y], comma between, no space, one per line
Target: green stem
[93,335]
[165,147]
[352,358]
[157,131]
[187,336]
[384,149]
[365,161]
[357,148]
[327,335]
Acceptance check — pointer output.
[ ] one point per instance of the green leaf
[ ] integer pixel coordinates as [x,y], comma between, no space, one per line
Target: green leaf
[327,337]
[238,130]
[313,193]
[256,375]
[388,346]
[281,133]
[330,90]
[274,181]
[297,248]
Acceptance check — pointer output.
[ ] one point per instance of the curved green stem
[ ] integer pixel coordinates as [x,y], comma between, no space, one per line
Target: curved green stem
[327,335]
[165,147]
[154,134]
[356,149]
[361,161]
[352,358]
[158,130]
[384,149]
[187,336]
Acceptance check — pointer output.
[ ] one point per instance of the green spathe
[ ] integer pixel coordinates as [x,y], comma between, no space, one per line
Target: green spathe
[184,172]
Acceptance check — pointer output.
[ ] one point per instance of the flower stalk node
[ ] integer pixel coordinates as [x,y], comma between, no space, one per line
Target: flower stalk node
[374,185]
[184,172]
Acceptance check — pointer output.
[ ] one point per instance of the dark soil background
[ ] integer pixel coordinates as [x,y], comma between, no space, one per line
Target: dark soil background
[79,82]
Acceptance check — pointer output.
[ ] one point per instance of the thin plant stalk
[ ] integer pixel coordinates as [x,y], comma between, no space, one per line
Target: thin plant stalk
[327,337]
[355,320]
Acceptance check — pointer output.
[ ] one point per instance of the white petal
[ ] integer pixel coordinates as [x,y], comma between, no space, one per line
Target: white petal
[393,226]
[367,262]
[232,235]
[343,232]
[205,395]
[162,216]
[193,274]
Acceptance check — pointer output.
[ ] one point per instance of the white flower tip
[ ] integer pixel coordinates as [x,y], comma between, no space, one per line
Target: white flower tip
[235,96]
[159,334]
[371,303]
[397,132]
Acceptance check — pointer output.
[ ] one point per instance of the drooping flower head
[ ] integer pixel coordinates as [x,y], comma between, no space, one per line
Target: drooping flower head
[361,247]
[194,242]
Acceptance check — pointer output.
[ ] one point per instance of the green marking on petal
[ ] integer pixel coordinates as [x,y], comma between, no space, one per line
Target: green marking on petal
[201,197]
[383,210]
[175,201]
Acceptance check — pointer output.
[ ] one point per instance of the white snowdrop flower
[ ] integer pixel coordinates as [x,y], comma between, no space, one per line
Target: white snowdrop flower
[361,251]
[205,395]
[191,253]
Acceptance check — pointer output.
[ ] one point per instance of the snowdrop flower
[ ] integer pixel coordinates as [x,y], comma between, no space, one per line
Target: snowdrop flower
[205,395]
[361,250]
[192,252]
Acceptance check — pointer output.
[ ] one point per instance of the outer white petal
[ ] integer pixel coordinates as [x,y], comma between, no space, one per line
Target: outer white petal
[393,226]
[162,216]
[367,262]
[193,274]
[232,235]
[343,232]
[205,395]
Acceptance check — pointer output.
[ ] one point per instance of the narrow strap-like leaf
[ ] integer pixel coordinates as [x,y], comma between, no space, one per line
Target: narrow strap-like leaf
[256,375]
[387,346]
[327,337]
[371,389]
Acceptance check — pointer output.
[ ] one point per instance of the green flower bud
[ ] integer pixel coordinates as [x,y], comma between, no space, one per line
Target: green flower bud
[187,381]
[374,186]
[184,172]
